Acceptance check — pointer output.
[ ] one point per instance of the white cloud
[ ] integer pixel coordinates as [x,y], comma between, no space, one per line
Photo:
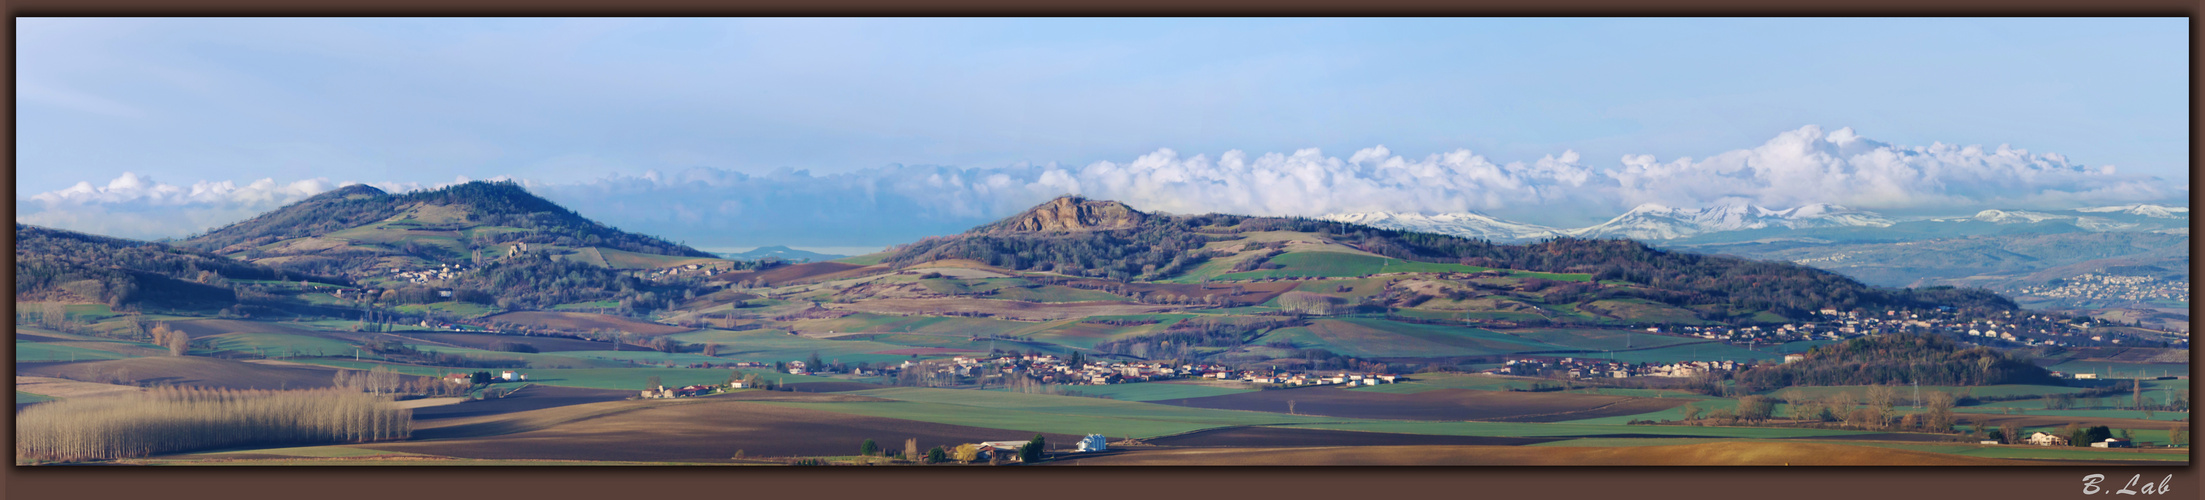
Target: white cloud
[1810,166]
[898,203]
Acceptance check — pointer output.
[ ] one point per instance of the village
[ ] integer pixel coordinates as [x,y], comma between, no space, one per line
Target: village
[2096,286]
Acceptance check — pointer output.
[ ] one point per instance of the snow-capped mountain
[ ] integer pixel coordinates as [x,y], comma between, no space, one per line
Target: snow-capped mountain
[2087,223]
[1657,222]
[2143,209]
[1464,224]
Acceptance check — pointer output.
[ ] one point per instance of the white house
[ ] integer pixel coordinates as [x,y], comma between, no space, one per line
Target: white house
[2046,439]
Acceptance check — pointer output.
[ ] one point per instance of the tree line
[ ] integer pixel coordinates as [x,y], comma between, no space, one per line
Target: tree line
[1905,358]
[178,419]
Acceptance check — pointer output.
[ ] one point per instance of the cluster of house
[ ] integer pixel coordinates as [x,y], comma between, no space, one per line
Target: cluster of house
[2110,287]
[664,392]
[677,271]
[447,271]
[1602,368]
[987,450]
[1055,370]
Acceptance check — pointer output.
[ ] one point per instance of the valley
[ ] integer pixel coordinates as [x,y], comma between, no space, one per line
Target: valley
[525,332]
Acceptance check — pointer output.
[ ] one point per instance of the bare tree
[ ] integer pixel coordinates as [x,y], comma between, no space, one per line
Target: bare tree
[1880,399]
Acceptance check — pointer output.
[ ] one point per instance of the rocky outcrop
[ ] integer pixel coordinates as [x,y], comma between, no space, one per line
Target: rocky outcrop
[1070,213]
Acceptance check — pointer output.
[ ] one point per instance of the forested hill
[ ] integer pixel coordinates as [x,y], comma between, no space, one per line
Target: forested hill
[471,205]
[57,264]
[1162,246]
[1898,359]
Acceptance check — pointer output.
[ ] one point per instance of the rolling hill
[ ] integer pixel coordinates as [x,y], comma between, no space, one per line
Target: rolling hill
[359,230]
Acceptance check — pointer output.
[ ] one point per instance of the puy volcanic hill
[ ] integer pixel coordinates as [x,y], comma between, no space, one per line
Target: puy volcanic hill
[1084,238]
[359,229]
[1069,213]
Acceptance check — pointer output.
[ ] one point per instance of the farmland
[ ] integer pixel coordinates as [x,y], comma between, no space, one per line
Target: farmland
[1438,404]
[704,430]
[1718,454]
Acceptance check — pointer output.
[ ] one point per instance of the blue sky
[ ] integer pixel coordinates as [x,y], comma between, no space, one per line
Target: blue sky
[632,119]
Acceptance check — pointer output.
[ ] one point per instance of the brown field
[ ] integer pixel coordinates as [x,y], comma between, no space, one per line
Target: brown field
[946,267]
[1251,293]
[922,351]
[65,388]
[1009,309]
[1720,453]
[704,429]
[833,386]
[1241,437]
[187,371]
[803,273]
[114,347]
[484,340]
[579,322]
[1441,404]
[533,397]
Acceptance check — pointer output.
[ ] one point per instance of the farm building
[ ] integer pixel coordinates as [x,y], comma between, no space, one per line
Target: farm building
[1093,442]
[2113,443]
[2046,439]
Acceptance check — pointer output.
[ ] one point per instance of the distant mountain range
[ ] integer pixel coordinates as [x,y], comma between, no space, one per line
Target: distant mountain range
[1464,224]
[782,253]
[1652,222]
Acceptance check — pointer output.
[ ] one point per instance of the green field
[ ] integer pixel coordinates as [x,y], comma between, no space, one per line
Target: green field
[2111,369]
[1644,311]
[455,308]
[587,306]
[278,344]
[1343,265]
[864,260]
[1709,351]
[2135,414]
[1802,346]
[1046,413]
[1564,429]
[1595,339]
[1973,450]
[775,345]
[1365,337]
[1152,391]
[28,398]
[27,351]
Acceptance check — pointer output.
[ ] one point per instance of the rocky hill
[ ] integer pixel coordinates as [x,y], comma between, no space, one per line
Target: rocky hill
[1069,213]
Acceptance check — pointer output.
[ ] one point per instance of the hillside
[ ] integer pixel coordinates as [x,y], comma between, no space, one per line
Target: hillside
[52,264]
[1137,246]
[1897,360]
[358,229]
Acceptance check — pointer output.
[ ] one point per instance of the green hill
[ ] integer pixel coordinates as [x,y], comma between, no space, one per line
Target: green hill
[358,229]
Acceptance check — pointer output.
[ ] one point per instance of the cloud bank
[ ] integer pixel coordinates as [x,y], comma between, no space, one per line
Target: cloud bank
[879,206]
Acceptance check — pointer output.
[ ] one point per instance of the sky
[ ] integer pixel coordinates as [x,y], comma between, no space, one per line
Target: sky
[847,134]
